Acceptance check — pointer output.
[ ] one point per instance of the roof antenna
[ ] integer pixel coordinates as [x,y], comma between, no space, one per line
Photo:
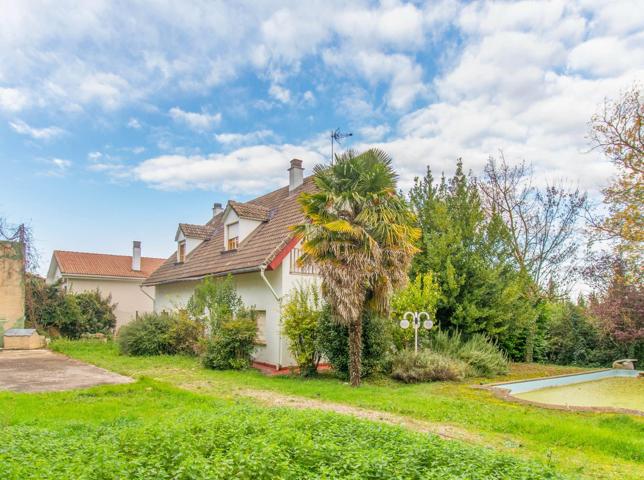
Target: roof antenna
[336,136]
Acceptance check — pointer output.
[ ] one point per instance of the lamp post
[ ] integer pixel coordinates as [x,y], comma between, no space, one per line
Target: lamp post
[416,318]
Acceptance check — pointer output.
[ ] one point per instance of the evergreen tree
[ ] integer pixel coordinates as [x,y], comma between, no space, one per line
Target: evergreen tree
[468,254]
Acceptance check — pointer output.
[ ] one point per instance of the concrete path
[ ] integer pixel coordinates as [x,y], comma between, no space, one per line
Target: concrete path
[46,371]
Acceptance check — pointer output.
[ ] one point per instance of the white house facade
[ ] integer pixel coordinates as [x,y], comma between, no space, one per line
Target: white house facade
[253,243]
[119,276]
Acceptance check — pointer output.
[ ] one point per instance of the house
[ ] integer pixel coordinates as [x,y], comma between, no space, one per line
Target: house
[252,242]
[120,276]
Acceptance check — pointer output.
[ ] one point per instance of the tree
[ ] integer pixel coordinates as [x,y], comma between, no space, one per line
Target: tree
[542,223]
[618,303]
[24,235]
[468,255]
[617,131]
[360,233]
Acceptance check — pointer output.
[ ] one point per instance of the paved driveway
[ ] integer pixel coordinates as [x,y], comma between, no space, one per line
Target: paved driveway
[46,371]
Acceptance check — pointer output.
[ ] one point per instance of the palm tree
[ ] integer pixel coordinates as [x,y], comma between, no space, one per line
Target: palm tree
[361,235]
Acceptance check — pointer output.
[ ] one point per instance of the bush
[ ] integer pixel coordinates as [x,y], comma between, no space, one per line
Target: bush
[426,366]
[50,309]
[231,345]
[376,344]
[148,335]
[483,356]
[301,317]
[215,300]
[186,335]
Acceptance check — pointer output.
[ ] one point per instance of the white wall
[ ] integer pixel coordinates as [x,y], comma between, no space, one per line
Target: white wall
[254,293]
[126,294]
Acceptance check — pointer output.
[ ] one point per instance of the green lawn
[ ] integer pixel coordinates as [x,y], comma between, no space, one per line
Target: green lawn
[578,444]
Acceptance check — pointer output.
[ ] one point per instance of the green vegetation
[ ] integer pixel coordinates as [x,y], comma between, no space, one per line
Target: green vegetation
[598,446]
[53,310]
[149,430]
[160,334]
[426,366]
[300,324]
[231,345]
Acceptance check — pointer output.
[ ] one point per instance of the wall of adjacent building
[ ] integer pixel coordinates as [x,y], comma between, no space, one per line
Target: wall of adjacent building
[12,286]
[125,293]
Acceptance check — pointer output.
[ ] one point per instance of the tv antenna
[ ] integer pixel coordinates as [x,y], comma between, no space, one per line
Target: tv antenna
[336,136]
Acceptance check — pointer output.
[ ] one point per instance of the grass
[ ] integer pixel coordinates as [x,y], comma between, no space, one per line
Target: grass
[588,445]
[150,430]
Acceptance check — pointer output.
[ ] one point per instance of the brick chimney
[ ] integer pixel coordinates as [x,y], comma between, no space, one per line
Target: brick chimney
[136,256]
[295,174]
[216,209]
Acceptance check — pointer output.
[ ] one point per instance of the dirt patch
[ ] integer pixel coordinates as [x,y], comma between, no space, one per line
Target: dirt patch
[442,430]
[46,371]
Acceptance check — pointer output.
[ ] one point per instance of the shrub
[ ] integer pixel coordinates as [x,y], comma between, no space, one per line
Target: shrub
[231,345]
[426,366]
[148,335]
[215,300]
[186,335]
[300,320]
[97,313]
[483,356]
[376,344]
[49,308]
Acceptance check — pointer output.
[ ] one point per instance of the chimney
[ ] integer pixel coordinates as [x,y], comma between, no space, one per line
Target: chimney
[216,209]
[136,256]
[295,174]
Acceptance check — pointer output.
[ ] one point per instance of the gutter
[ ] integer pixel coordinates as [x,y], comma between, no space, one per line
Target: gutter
[262,270]
[146,294]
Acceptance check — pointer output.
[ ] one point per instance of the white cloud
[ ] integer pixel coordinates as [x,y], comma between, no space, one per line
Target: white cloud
[46,133]
[196,121]
[225,172]
[374,133]
[244,138]
[12,99]
[134,123]
[280,93]
[58,167]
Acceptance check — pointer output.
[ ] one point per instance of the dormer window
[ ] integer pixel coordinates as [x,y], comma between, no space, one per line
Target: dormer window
[181,251]
[233,236]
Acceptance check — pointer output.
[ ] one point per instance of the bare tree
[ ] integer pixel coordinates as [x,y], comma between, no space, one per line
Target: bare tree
[23,234]
[542,223]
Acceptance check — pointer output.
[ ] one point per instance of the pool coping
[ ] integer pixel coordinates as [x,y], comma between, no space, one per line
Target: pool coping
[505,394]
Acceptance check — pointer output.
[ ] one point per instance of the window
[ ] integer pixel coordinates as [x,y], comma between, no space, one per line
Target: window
[181,251]
[260,318]
[295,255]
[233,236]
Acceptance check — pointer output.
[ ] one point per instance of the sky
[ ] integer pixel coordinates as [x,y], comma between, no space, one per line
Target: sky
[120,119]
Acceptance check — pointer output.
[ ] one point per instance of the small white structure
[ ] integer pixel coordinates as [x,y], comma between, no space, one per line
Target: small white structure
[120,276]
[252,242]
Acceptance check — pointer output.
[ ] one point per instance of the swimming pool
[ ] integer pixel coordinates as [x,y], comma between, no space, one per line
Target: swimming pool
[608,390]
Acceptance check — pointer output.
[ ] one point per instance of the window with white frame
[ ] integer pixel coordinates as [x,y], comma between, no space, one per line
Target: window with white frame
[232,235]
[181,251]
[295,266]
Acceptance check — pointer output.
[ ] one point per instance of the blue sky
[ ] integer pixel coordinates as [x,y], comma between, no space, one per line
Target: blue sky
[120,119]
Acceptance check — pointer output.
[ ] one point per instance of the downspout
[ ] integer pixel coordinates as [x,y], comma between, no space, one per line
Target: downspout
[262,269]
[146,293]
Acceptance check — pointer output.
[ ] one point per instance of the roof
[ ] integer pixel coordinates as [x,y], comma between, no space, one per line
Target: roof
[104,265]
[250,210]
[201,232]
[260,248]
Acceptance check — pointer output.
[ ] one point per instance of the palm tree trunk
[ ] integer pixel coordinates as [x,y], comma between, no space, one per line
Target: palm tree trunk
[355,352]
